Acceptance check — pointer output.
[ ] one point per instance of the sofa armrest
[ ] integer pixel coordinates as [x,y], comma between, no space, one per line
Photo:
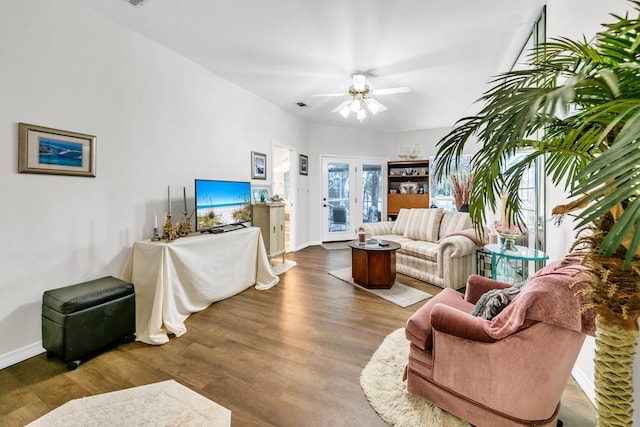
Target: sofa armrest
[480,285]
[458,246]
[378,228]
[452,321]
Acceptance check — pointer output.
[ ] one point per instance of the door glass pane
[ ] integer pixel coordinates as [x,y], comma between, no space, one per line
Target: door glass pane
[371,193]
[338,185]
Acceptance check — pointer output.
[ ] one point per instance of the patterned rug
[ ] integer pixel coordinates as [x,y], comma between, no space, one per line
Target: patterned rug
[399,294]
[166,403]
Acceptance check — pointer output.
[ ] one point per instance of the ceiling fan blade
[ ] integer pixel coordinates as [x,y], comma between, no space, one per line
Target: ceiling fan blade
[359,81]
[391,90]
[329,94]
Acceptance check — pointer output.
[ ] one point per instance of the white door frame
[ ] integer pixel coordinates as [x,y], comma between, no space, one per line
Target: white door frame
[293,186]
[355,194]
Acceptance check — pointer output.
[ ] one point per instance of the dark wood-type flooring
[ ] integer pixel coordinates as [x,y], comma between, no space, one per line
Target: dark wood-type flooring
[289,356]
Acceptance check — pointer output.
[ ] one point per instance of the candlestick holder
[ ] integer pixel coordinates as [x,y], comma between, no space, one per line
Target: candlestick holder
[169,232]
[156,236]
[184,227]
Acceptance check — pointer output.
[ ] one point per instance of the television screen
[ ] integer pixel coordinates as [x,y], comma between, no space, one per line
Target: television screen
[220,203]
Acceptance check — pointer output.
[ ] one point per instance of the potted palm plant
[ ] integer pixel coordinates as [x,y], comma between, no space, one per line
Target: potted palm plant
[578,107]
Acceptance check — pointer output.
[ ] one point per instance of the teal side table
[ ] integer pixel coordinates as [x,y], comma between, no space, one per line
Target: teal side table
[512,257]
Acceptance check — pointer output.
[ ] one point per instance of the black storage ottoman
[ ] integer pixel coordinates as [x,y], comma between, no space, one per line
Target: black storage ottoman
[79,320]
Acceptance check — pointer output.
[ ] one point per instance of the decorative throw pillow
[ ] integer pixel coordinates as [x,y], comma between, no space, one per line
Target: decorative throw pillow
[424,224]
[492,303]
[400,224]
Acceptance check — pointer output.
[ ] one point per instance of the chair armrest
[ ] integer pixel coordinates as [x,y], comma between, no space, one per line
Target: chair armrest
[480,285]
[377,228]
[451,321]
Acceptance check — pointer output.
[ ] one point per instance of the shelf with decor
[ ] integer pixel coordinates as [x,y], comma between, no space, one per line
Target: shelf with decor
[408,185]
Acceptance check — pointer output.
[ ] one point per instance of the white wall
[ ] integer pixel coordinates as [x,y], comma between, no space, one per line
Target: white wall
[424,140]
[159,120]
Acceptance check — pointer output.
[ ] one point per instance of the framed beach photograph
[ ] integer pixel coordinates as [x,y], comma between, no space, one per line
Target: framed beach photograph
[304,165]
[57,152]
[258,165]
[261,194]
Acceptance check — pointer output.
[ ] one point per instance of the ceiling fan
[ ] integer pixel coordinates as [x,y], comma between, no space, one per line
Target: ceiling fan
[360,97]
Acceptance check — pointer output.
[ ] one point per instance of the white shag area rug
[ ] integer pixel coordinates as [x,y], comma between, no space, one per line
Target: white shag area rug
[399,294]
[166,403]
[381,381]
[279,268]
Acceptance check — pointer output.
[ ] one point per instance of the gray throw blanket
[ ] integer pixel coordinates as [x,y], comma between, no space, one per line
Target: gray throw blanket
[494,301]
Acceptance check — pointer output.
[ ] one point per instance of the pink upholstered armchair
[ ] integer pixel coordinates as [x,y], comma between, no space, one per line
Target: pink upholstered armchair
[508,371]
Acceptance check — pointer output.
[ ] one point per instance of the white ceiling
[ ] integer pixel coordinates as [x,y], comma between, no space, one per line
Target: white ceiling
[286,50]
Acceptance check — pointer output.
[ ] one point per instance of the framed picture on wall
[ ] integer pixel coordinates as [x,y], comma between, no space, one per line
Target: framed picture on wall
[304,165]
[57,152]
[258,165]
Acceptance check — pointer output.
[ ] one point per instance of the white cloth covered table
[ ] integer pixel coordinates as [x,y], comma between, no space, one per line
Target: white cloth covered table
[173,280]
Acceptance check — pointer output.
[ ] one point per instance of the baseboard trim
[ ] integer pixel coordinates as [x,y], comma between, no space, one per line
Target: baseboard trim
[21,354]
[305,245]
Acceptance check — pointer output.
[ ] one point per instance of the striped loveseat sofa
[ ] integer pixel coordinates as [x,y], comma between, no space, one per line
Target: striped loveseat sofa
[437,247]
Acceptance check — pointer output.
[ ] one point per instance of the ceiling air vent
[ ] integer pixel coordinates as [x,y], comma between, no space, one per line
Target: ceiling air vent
[136,3]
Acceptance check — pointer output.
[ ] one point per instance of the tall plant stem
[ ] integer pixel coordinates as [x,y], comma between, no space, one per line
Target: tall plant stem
[615,351]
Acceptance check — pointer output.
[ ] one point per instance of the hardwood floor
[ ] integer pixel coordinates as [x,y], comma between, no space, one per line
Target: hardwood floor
[289,356]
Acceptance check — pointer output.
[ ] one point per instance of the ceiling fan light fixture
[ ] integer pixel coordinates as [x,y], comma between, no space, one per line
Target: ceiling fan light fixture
[358,82]
[360,98]
[375,107]
[340,107]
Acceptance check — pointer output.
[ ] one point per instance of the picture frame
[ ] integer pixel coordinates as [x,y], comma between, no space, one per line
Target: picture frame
[261,195]
[258,165]
[304,165]
[51,151]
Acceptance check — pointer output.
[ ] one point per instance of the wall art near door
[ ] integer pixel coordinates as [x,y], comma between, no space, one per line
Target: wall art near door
[57,152]
[304,165]
[258,165]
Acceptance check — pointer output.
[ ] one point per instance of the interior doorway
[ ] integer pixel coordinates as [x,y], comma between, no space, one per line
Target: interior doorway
[282,183]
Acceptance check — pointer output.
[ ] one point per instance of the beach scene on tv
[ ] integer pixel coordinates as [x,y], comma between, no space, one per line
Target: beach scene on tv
[222,202]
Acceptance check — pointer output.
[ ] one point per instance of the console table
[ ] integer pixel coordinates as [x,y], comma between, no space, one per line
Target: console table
[173,280]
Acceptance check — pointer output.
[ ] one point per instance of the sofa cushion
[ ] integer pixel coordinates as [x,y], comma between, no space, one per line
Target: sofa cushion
[424,224]
[420,249]
[454,221]
[400,225]
[392,238]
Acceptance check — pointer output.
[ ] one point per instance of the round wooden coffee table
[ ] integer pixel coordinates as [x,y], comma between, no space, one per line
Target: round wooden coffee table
[373,266]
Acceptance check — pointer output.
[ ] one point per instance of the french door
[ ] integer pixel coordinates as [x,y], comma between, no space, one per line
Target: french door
[352,194]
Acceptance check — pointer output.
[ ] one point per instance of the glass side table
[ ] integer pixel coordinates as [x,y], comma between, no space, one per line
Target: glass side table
[520,255]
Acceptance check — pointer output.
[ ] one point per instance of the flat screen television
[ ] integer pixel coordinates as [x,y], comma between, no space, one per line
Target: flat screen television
[221,203]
